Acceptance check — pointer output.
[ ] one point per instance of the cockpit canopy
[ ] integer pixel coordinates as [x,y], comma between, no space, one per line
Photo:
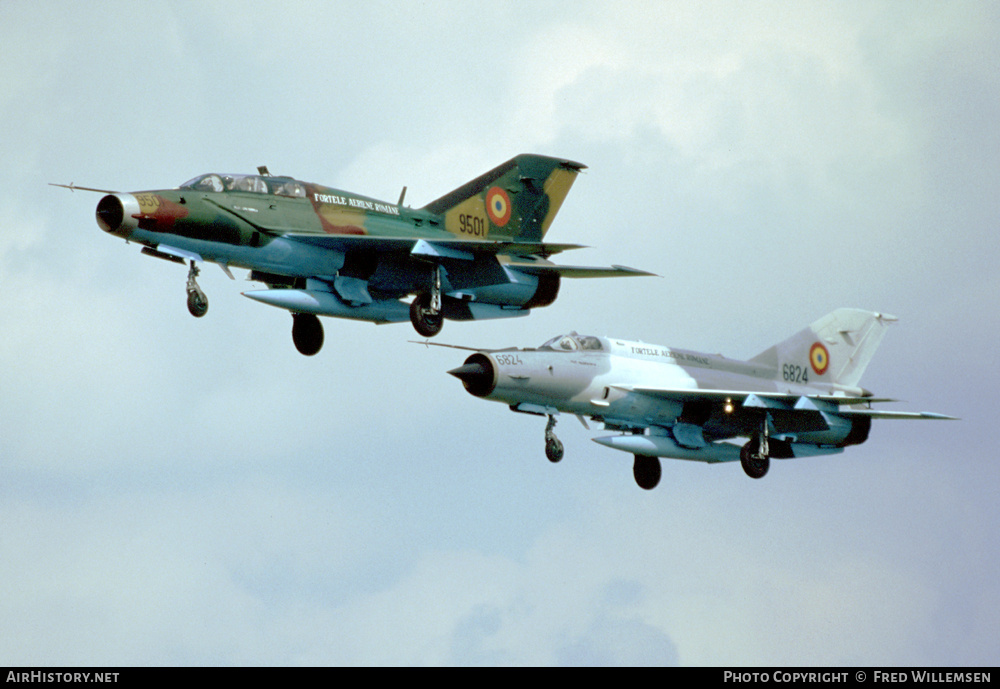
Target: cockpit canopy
[253,184]
[573,342]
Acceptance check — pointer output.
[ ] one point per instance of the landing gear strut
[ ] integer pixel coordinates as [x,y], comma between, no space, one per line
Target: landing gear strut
[196,299]
[307,333]
[553,446]
[755,455]
[425,310]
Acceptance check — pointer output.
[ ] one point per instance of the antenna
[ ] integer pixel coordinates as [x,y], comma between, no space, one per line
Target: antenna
[402,194]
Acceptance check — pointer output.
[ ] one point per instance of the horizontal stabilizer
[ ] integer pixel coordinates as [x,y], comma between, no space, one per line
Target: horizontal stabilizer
[878,414]
[579,271]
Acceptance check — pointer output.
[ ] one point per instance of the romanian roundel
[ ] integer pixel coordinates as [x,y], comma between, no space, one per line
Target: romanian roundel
[819,358]
[498,206]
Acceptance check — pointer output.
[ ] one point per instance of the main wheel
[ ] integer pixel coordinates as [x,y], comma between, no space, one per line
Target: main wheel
[553,449]
[197,303]
[307,333]
[424,322]
[647,471]
[754,465]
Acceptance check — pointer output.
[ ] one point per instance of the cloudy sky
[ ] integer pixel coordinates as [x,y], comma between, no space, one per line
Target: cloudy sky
[181,491]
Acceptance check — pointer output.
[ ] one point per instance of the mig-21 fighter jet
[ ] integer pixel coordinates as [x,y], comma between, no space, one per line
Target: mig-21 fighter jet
[798,398]
[477,252]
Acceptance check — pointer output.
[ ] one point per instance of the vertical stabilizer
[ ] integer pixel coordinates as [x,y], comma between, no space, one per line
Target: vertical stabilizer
[515,201]
[835,349]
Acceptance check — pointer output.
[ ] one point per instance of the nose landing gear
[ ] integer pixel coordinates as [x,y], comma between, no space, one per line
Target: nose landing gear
[197,301]
[553,446]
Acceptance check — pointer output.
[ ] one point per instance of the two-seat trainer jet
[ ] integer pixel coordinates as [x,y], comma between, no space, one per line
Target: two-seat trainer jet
[475,253]
[798,398]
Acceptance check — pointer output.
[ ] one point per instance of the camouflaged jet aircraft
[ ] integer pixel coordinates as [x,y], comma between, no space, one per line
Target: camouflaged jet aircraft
[799,398]
[475,253]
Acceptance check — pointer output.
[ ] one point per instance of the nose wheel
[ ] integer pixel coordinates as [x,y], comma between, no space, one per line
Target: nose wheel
[553,446]
[197,301]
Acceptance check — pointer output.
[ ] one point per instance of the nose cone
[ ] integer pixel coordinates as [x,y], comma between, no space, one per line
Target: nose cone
[478,375]
[470,373]
[117,214]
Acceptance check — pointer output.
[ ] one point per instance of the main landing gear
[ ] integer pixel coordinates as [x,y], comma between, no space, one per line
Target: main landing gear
[196,300]
[755,455]
[425,309]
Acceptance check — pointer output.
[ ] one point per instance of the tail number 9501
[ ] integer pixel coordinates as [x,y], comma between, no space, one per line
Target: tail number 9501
[473,225]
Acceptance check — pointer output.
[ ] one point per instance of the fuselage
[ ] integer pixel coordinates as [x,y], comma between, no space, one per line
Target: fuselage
[347,255]
[241,220]
[599,377]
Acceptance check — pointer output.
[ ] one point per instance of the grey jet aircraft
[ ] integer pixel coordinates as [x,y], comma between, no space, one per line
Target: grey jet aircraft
[798,398]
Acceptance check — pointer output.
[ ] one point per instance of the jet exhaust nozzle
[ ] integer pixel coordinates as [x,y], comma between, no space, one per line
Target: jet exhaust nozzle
[478,375]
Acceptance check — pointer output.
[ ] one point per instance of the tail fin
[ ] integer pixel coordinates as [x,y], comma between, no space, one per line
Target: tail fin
[516,200]
[835,349]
